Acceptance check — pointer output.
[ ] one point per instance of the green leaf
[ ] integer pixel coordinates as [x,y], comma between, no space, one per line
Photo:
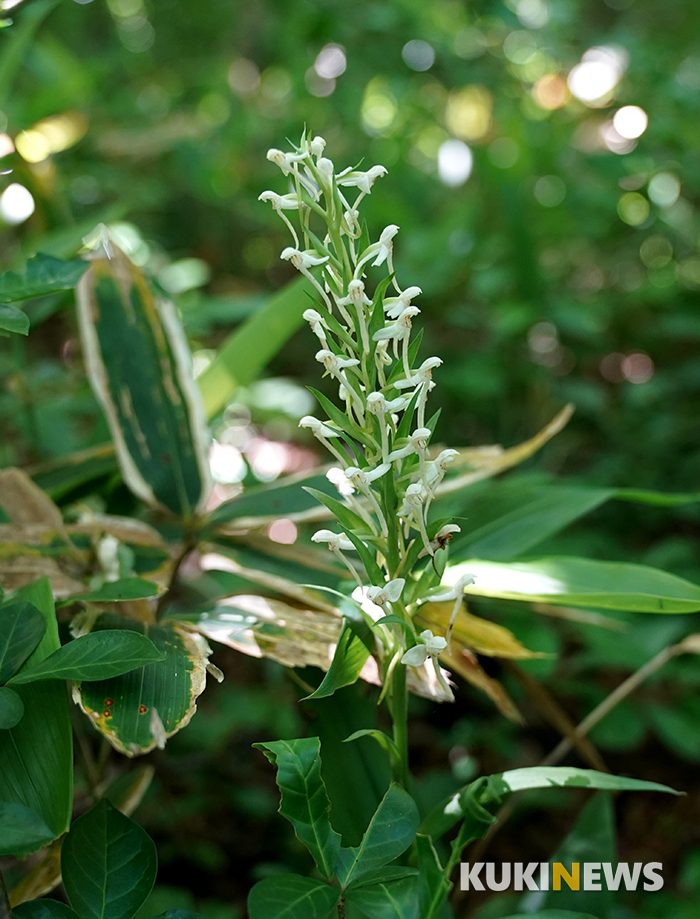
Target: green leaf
[433,886]
[27,776]
[567,777]
[304,798]
[13,320]
[11,708]
[17,44]
[123,708]
[351,525]
[21,829]
[44,275]
[278,500]
[384,741]
[44,909]
[351,653]
[289,896]
[108,864]
[384,900]
[511,534]
[115,592]
[179,914]
[96,656]
[390,832]
[253,344]
[582,582]
[21,629]
[554,914]
[139,366]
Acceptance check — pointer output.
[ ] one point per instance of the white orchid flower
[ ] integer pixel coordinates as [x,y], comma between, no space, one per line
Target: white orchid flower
[316,146]
[421,379]
[286,161]
[379,406]
[362,180]
[337,543]
[456,593]
[381,251]
[412,510]
[359,299]
[362,479]
[281,203]
[443,538]
[399,331]
[322,433]
[394,306]
[437,469]
[335,366]
[315,320]
[429,647]
[386,595]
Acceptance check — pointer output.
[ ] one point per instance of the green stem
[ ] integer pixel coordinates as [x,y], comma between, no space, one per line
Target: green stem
[5,911]
[399,714]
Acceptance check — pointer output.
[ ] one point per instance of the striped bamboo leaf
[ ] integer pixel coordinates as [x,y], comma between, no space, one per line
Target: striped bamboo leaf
[139,366]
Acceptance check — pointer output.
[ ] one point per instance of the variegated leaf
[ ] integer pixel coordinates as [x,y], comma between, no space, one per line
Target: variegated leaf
[139,366]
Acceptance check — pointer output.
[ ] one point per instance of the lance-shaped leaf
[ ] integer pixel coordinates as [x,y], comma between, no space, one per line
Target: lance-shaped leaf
[304,800]
[257,506]
[29,777]
[390,832]
[142,708]
[139,365]
[248,349]
[570,581]
[289,896]
[21,629]
[117,591]
[43,275]
[108,864]
[354,647]
[95,656]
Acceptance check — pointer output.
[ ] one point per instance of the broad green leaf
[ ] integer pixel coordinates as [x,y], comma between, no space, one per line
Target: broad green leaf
[139,710]
[11,709]
[384,900]
[44,909]
[21,629]
[289,896]
[433,886]
[27,775]
[139,366]
[253,344]
[44,275]
[304,801]
[271,501]
[95,656]
[117,591]
[390,832]
[21,829]
[567,777]
[108,864]
[351,653]
[13,320]
[570,581]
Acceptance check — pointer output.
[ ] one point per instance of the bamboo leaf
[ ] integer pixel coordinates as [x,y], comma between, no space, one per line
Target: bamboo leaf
[304,801]
[139,710]
[95,656]
[247,351]
[258,505]
[115,591]
[289,896]
[108,864]
[138,362]
[583,582]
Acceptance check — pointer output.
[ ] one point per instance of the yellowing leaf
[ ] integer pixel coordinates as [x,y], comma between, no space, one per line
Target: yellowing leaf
[473,632]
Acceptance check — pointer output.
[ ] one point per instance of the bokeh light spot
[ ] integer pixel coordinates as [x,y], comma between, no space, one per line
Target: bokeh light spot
[455,162]
[630,121]
[551,92]
[633,208]
[282,531]
[468,112]
[418,55]
[664,189]
[330,62]
[16,204]
[549,191]
[637,368]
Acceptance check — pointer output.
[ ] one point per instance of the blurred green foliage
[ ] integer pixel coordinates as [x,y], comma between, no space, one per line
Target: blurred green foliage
[565,268]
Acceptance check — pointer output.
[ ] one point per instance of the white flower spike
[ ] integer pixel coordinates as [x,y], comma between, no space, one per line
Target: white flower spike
[386,595]
[429,647]
[456,593]
[337,542]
